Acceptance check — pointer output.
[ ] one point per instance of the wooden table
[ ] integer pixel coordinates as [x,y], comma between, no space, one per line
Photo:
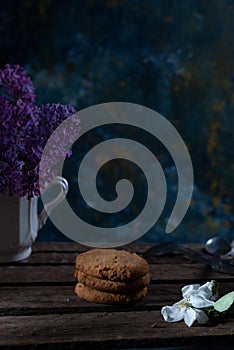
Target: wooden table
[39,310]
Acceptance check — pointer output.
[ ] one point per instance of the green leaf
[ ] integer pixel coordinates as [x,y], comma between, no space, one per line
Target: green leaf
[224,303]
[214,287]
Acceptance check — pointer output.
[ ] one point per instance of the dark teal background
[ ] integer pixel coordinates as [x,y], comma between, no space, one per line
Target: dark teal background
[174,56]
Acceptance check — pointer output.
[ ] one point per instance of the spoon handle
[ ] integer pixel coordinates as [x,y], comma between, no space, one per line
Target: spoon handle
[169,247]
[215,263]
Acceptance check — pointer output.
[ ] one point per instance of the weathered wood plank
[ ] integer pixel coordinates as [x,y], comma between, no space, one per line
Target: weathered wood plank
[63,297]
[34,300]
[65,253]
[66,258]
[52,254]
[64,274]
[107,330]
[36,274]
[24,300]
[76,247]
[53,257]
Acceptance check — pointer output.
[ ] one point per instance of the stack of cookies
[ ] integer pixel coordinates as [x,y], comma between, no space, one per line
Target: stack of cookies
[111,276]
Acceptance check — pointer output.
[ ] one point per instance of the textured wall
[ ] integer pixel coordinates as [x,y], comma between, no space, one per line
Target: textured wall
[176,57]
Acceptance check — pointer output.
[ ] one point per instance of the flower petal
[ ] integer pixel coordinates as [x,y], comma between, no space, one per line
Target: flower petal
[206,290]
[173,313]
[199,301]
[189,316]
[201,316]
[188,290]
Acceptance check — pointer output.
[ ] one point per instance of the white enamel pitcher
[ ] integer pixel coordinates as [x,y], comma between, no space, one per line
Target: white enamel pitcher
[19,222]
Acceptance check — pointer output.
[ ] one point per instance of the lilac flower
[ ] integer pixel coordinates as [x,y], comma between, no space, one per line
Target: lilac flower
[49,117]
[16,84]
[24,131]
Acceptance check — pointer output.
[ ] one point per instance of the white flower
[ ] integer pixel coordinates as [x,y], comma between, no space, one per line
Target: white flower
[183,310]
[195,297]
[200,296]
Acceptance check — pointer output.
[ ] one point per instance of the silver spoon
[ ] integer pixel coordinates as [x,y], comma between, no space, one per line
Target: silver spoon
[217,246]
[208,259]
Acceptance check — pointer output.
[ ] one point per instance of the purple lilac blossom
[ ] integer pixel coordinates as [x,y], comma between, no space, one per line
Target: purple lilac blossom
[50,116]
[24,131]
[16,85]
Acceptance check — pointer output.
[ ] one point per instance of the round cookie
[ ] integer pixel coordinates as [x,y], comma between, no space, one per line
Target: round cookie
[112,286]
[97,296]
[112,264]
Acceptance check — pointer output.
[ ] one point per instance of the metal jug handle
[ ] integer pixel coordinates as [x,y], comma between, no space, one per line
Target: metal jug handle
[43,216]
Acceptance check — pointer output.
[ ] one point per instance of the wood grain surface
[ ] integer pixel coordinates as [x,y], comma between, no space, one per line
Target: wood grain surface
[39,310]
